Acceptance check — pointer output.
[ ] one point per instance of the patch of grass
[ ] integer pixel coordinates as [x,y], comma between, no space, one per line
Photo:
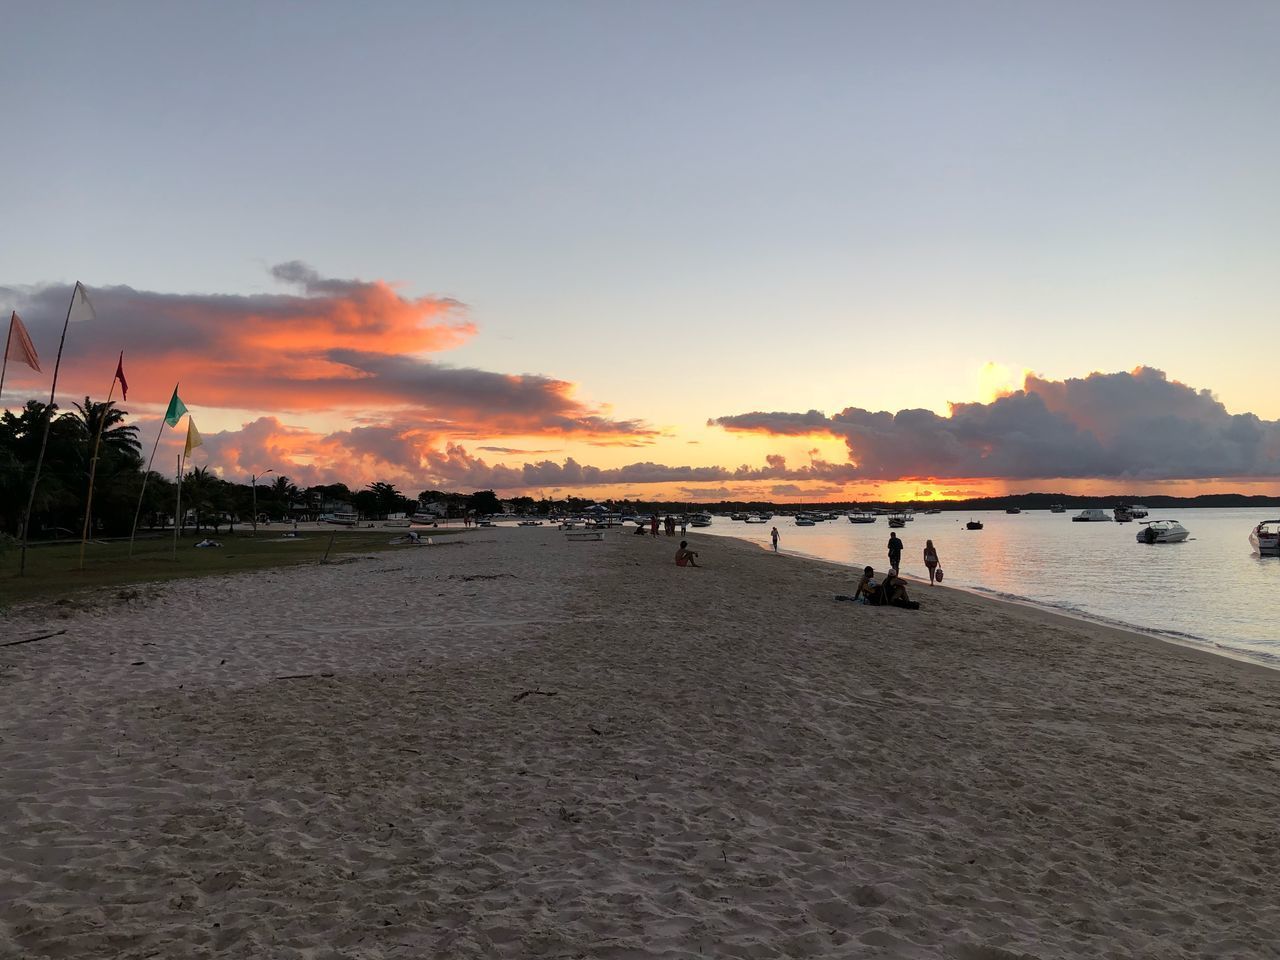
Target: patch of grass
[53,570]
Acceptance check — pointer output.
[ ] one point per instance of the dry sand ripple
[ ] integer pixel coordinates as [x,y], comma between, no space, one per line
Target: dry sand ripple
[532,748]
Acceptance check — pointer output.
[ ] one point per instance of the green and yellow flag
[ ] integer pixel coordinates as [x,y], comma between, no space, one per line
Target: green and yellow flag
[193,437]
[176,409]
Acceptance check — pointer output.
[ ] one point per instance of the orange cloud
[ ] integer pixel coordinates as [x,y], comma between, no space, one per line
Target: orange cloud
[351,347]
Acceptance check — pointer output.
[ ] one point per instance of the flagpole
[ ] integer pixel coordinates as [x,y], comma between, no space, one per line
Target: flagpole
[177,518]
[44,440]
[4,368]
[141,493]
[93,466]
[138,513]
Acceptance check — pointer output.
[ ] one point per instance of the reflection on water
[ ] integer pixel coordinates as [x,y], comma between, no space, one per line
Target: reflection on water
[1211,589]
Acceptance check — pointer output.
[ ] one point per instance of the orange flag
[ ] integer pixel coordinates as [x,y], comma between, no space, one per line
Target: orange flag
[19,345]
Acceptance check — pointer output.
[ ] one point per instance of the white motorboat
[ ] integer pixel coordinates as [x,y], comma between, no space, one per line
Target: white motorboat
[755,518]
[1091,515]
[1137,511]
[1163,531]
[700,520]
[803,521]
[528,523]
[1265,538]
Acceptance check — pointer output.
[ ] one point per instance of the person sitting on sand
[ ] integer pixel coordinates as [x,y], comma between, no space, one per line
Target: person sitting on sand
[895,592]
[868,589]
[684,556]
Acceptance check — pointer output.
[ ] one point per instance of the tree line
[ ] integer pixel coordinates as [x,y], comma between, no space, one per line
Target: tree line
[208,500]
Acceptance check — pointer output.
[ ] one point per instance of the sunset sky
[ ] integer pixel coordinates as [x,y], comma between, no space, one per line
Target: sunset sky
[689,250]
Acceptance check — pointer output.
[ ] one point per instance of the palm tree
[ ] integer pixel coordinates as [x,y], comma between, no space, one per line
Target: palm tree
[116,434]
[282,488]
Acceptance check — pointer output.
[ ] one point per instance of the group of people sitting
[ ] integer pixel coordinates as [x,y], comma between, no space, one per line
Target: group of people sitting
[891,591]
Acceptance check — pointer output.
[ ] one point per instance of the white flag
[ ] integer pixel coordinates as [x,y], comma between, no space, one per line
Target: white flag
[81,308]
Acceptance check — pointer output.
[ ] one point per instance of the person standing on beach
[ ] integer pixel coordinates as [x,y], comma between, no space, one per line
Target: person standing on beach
[930,560]
[773,535]
[895,550]
[653,525]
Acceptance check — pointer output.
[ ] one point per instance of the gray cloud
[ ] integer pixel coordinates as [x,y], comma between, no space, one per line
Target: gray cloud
[1138,425]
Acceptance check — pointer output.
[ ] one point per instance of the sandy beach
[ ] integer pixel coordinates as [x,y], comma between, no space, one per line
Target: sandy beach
[513,745]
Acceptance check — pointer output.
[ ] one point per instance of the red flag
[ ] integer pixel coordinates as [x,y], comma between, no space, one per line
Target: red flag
[124,384]
[19,345]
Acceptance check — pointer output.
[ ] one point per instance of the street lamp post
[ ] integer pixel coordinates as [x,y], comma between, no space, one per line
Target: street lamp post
[253,482]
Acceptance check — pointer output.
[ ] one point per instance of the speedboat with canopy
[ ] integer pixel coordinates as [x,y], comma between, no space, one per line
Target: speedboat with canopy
[1266,538]
[1163,531]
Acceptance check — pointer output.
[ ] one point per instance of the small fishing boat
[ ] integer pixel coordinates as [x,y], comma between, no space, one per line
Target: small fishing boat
[755,518]
[862,517]
[803,521]
[1163,531]
[1013,510]
[1057,508]
[1265,538]
[528,523]
[1123,513]
[341,519]
[973,525]
[1091,515]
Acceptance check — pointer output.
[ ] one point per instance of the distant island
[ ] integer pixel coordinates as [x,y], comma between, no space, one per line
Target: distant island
[1022,501]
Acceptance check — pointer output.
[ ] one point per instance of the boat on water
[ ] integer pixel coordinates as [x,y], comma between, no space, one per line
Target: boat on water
[528,523]
[1091,515]
[755,518]
[897,521]
[1013,510]
[1265,538]
[973,525]
[700,520]
[1137,511]
[1057,508]
[341,519]
[1163,531]
[803,521]
[935,510]
[1123,513]
[862,517]
[737,516]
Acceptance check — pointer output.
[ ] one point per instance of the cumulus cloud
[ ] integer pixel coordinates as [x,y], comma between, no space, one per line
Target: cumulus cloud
[1138,425]
[334,345]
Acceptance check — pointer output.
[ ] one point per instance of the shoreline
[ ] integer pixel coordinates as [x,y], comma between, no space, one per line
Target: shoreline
[1201,645]
[527,746]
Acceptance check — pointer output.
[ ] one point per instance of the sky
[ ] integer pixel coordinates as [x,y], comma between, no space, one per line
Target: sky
[680,250]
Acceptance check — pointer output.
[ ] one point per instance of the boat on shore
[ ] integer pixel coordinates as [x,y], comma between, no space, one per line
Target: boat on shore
[341,519]
[1163,531]
[1091,515]
[1265,538]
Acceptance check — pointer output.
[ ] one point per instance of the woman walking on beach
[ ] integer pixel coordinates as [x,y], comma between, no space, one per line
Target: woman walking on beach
[930,560]
[773,535]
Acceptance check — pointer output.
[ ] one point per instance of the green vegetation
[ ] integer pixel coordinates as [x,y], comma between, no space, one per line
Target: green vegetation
[53,569]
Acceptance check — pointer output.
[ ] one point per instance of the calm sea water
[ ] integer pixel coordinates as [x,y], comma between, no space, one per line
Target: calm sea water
[1211,590]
